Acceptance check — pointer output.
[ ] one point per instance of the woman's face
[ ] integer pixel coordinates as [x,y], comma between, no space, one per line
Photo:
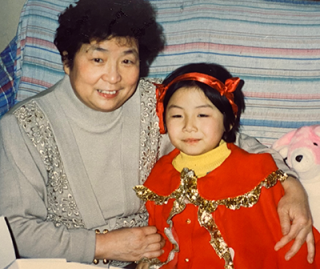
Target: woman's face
[105,74]
[194,124]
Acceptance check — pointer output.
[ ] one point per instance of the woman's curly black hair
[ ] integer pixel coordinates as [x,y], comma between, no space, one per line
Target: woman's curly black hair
[221,102]
[99,20]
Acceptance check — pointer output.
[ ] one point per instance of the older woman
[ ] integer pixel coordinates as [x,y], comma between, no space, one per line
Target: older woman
[70,156]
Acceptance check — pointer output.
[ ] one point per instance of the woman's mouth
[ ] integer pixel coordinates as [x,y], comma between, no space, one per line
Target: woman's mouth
[107,94]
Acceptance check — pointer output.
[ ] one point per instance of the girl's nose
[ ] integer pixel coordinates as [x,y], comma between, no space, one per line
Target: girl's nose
[190,125]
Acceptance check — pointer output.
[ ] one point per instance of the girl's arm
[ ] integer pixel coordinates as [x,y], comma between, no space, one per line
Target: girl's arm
[293,208]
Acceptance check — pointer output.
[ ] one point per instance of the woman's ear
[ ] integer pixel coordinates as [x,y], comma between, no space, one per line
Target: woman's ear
[65,62]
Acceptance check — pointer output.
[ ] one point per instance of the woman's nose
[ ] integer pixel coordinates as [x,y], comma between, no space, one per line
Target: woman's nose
[111,74]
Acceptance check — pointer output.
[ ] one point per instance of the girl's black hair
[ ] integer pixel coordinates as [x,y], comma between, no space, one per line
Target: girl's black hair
[99,20]
[230,120]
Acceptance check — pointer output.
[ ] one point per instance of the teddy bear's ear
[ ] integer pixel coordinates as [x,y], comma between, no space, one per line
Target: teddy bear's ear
[282,144]
[283,150]
[317,130]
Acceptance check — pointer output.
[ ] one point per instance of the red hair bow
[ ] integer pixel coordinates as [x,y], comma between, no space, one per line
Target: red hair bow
[226,90]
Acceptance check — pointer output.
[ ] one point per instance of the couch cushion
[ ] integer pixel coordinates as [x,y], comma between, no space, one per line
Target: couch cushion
[273,45]
[7,88]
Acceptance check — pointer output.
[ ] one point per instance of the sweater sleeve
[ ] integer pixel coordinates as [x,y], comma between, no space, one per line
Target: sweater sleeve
[23,200]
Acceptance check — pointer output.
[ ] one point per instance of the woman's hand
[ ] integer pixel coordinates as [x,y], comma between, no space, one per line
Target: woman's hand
[143,265]
[295,219]
[129,244]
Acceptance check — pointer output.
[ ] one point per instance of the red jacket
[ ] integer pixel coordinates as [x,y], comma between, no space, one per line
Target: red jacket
[251,232]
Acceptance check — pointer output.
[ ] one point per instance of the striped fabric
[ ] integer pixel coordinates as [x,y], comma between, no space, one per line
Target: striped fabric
[7,89]
[273,45]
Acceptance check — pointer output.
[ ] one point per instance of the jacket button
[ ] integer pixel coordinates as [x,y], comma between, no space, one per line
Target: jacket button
[188,221]
[187,260]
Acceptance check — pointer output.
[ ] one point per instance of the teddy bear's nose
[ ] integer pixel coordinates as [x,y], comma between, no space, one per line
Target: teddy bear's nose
[299,158]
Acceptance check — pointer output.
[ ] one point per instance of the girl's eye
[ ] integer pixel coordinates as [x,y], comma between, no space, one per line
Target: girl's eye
[176,116]
[203,115]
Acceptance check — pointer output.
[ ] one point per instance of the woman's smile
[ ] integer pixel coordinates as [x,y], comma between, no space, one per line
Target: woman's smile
[104,74]
[108,94]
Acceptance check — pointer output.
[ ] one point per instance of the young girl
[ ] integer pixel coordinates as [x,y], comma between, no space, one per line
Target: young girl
[214,203]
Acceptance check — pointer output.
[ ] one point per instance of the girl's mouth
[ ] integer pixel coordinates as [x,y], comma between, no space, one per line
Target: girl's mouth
[191,140]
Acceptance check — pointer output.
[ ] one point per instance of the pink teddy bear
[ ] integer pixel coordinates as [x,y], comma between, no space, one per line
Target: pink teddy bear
[301,151]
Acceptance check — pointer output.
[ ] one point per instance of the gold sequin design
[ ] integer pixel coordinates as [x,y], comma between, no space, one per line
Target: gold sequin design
[62,208]
[150,137]
[187,192]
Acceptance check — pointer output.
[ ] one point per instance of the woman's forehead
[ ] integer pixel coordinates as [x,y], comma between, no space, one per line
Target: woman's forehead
[121,41]
[122,46]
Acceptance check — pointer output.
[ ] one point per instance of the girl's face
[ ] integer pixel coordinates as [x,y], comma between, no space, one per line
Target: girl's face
[194,124]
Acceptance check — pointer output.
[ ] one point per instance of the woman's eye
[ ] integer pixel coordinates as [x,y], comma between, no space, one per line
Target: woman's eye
[203,115]
[176,116]
[126,61]
[98,60]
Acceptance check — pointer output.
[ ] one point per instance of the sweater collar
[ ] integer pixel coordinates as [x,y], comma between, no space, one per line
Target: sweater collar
[204,163]
[84,116]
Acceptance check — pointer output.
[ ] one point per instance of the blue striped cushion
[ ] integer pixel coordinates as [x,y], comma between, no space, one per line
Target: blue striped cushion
[7,89]
[273,45]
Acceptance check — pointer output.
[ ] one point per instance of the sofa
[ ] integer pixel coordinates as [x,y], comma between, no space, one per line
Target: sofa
[274,46]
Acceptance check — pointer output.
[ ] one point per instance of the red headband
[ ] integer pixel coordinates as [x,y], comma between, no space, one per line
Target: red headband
[226,90]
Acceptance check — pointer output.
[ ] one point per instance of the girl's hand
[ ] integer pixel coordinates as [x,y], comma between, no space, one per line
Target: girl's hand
[295,219]
[129,244]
